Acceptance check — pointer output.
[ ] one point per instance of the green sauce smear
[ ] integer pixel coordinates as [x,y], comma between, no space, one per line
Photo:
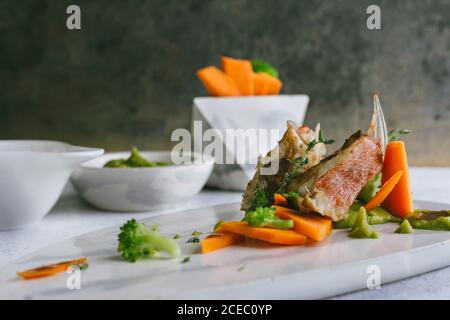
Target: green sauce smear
[134,161]
[375,216]
[430,220]
[361,228]
[405,228]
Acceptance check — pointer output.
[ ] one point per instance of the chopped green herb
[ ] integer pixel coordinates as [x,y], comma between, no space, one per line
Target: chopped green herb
[241,268]
[394,135]
[82,266]
[196,233]
[177,236]
[186,260]
[218,224]
[263,66]
[266,217]
[193,240]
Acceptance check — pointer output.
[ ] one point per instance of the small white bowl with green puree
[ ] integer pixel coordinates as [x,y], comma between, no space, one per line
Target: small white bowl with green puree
[141,181]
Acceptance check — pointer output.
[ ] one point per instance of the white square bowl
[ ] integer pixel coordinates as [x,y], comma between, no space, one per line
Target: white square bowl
[252,112]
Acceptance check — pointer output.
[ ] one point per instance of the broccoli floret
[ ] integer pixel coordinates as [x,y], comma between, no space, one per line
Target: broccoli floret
[265,217]
[137,241]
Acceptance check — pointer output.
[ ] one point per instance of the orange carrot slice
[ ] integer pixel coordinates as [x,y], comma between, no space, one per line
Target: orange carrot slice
[217,83]
[49,270]
[384,191]
[260,84]
[218,241]
[399,202]
[277,236]
[279,199]
[316,228]
[275,85]
[241,71]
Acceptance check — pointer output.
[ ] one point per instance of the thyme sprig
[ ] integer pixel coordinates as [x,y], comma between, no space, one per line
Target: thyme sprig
[321,139]
[394,134]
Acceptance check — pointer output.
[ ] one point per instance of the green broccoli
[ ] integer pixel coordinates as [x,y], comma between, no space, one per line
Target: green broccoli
[265,217]
[137,241]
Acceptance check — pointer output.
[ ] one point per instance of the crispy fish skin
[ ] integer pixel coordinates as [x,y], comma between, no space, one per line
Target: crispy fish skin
[330,187]
[292,145]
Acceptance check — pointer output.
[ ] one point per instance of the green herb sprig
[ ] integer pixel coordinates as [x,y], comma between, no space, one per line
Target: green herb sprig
[394,134]
[321,139]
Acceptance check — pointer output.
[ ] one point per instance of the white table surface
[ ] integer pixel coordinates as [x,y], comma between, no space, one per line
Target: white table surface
[71,217]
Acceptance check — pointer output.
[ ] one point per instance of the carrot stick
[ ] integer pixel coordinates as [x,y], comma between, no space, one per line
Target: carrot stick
[279,199]
[384,191]
[49,270]
[219,241]
[277,236]
[316,228]
[241,71]
[399,202]
[275,85]
[260,84]
[217,83]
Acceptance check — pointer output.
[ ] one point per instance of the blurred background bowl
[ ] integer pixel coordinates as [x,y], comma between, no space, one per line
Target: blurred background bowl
[262,115]
[140,189]
[32,176]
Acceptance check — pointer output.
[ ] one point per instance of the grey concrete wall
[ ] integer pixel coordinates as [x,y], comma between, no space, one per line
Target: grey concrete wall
[128,77]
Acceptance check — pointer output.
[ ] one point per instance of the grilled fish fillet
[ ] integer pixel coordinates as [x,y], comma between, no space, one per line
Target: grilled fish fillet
[292,145]
[330,187]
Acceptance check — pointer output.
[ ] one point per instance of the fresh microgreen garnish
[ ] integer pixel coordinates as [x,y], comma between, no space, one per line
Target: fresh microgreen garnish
[394,134]
[196,233]
[186,260]
[82,266]
[218,224]
[193,240]
[321,139]
[297,166]
[177,236]
[266,217]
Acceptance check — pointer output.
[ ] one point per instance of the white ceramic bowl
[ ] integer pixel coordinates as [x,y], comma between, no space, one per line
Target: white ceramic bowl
[251,112]
[140,189]
[32,176]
